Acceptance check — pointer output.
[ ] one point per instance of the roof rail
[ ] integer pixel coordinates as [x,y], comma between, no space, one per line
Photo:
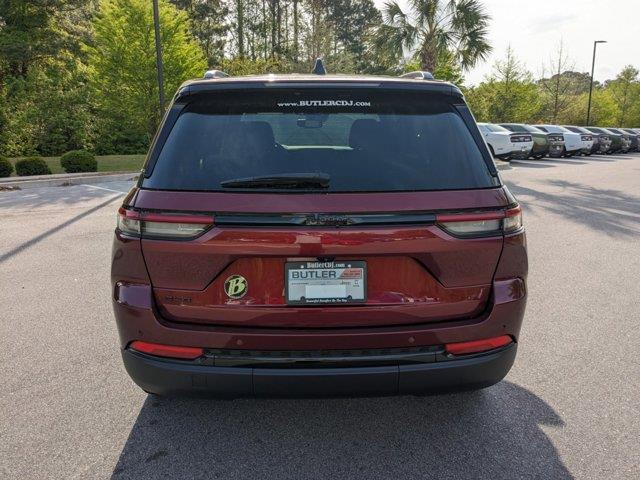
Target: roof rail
[319,69]
[215,74]
[420,75]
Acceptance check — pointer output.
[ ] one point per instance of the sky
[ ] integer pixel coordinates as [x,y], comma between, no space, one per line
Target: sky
[534,29]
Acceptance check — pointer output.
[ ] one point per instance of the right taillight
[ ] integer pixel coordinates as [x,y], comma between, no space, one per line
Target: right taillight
[481,223]
[162,225]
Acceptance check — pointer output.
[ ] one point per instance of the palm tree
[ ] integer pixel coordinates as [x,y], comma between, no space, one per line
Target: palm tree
[432,27]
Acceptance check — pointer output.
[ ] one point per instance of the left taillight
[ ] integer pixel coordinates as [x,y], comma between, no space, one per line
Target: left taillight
[479,224]
[162,225]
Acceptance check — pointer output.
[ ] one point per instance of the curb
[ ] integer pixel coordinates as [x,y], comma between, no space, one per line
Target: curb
[65,180]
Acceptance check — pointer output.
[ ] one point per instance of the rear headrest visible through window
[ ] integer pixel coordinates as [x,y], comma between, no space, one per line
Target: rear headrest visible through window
[364,132]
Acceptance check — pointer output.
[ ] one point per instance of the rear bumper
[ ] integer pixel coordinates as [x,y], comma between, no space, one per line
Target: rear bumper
[556,150]
[172,377]
[521,153]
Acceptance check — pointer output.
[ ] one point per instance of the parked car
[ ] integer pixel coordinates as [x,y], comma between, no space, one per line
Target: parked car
[634,137]
[573,142]
[318,235]
[504,144]
[615,139]
[627,140]
[601,142]
[551,144]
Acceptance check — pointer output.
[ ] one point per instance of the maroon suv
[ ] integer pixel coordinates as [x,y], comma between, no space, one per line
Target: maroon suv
[318,235]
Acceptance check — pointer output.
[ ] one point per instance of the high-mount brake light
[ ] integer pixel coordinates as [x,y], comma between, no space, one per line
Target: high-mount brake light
[482,223]
[162,225]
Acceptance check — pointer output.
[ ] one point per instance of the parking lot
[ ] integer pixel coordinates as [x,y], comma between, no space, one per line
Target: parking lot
[570,408]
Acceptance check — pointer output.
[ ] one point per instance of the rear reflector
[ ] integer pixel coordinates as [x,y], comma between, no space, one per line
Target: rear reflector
[482,223]
[477,346]
[170,351]
[162,225]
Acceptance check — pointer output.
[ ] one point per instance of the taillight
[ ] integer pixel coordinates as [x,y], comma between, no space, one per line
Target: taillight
[482,223]
[170,351]
[521,138]
[478,346]
[162,225]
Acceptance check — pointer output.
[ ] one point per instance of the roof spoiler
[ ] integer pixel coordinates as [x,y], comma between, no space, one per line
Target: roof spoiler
[419,75]
[209,74]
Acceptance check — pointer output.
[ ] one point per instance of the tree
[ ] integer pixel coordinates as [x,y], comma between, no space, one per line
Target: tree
[624,90]
[559,90]
[208,23]
[31,30]
[433,26]
[42,84]
[508,95]
[123,71]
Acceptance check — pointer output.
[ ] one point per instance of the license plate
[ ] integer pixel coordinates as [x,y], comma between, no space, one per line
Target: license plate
[319,283]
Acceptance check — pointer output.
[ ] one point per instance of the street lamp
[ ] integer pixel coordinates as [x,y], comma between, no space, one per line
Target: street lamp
[156,26]
[593,64]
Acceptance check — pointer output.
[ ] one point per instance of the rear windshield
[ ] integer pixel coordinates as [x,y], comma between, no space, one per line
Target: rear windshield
[361,140]
[495,128]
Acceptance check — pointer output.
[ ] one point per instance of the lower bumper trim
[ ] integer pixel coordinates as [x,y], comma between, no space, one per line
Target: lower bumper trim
[170,377]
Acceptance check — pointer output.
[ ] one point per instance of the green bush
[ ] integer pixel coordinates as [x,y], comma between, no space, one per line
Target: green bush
[32,166]
[6,168]
[79,161]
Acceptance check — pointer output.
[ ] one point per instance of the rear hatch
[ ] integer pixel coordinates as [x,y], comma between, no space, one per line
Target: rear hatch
[320,207]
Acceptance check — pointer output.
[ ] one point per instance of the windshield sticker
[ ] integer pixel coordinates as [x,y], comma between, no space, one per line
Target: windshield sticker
[324,103]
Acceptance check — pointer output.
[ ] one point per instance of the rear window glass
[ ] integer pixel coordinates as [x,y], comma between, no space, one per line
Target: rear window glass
[363,141]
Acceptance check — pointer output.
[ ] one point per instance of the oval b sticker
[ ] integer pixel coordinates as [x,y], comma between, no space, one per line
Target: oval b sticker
[235,286]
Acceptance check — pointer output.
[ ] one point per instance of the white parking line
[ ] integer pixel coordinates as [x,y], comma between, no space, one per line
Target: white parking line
[101,188]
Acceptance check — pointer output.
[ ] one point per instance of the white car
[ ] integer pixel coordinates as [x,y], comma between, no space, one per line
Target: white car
[574,143]
[505,144]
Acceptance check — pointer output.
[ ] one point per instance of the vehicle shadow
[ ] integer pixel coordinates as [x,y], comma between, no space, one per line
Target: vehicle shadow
[494,433]
[610,211]
[54,197]
[47,233]
[566,161]
[531,164]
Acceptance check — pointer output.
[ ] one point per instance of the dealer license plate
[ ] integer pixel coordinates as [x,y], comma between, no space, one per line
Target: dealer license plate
[318,283]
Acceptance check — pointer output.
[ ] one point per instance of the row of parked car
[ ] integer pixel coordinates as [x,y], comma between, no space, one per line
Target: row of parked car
[515,140]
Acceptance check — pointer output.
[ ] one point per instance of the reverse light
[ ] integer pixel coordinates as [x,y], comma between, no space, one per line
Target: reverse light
[169,351]
[162,225]
[482,223]
[478,346]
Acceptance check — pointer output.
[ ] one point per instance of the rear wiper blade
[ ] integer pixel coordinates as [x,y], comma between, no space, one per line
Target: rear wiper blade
[280,180]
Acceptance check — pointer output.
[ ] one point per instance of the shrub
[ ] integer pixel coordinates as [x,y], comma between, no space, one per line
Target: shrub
[79,161]
[6,168]
[32,166]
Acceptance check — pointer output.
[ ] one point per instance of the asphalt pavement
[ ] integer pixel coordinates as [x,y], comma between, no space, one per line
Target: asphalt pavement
[570,407]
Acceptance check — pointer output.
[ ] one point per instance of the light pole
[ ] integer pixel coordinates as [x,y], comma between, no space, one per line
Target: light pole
[593,64]
[156,26]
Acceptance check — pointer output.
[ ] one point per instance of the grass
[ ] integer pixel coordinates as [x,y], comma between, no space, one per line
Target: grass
[106,163]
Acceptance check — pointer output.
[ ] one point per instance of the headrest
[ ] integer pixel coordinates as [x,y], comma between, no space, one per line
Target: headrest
[364,132]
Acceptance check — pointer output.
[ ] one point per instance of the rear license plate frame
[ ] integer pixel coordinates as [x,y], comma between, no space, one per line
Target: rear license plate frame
[325,266]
